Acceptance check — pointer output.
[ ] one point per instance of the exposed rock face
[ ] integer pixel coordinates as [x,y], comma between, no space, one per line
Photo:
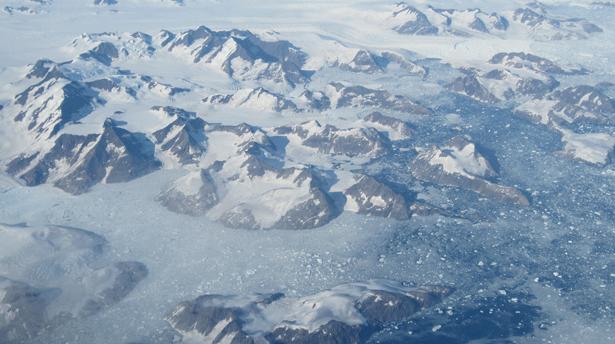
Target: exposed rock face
[290,198]
[193,194]
[240,217]
[65,93]
[104,53]
[255,99]
[570,105]
[396,129]
[583,102]
[55,101]
[509,84]
[433,21]
[41,68]
[413,21]
[470,85]
[287,198]
[75,162]
[246,185]
[335,95]
[547,28]
[106,47]
[327,139]
[240,54]
[521,60]
[162,88]
[329,333]
[462,164]
[172,111]
[365,61]
[52,274]
[67,148]
[117,156]
[126,277]
[371,197]
[460,22]
[184,139]
[359,96]
[314,100]
[504,84]
[107,84]
[348,313]
[315,211]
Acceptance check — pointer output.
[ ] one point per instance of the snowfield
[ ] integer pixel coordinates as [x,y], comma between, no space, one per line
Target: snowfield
[227,171]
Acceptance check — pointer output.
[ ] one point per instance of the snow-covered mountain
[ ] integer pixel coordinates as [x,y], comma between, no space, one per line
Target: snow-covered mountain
[544,27]
[255,99]
[365,61]
[348,312]
[75,163]
[534,19]
[286,190]
[571,104]
[260,159]
[464,164]
[240,54]
[512,75]
[433,21]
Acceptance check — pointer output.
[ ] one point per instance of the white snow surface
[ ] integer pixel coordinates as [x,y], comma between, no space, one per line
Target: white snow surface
[189,256]
[594,148]
[464,161]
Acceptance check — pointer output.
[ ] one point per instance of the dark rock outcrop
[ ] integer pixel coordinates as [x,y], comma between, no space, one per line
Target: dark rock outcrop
[348,313]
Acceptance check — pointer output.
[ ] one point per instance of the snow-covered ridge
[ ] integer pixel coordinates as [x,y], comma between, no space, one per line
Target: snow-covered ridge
[240,54]
[461,156]
[528,81]
[395,128]
[516,76]
[62,94]
[254,99]
[327,139]
[434,21]
[570,105]
[75,163]
[526,61]
[534,21]
[542,26]
[285,192]
[462,164]
[53,101]
[356,96]
[365,61]
[335,95]
[351,311]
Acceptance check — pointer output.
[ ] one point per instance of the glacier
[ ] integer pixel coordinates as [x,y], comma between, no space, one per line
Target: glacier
[227,171]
